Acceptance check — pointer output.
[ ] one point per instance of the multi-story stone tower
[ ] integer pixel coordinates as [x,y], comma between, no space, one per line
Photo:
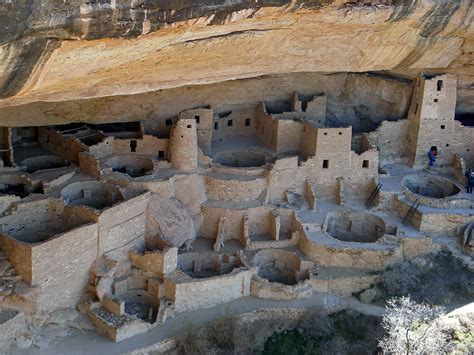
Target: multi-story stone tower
[432,121]
[183,145]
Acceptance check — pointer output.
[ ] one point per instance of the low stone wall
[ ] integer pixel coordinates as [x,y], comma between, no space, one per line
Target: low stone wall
[158,262]
[342,285]
[444,223]
[117,328]
[190,294]
[235,189]
[414,247]
[448,202]
[261,288]
[362,258]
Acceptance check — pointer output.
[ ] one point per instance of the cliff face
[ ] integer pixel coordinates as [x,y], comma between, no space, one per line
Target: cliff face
[67,61]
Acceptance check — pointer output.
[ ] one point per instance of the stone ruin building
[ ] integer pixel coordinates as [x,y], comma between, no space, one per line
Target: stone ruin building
[135,222]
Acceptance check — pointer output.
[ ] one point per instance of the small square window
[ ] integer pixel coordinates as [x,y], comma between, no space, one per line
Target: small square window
[365,164]
[325,164]
[340,133]
[447,144]
[216,125]
[197,118]
[161,154]
[443,126]
[189,126]
[325,133]
[169,122]
[435,100]
[230,123]
[247,122]
[133,146]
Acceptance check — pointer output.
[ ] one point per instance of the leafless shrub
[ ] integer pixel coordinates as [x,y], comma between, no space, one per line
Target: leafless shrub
[413,328]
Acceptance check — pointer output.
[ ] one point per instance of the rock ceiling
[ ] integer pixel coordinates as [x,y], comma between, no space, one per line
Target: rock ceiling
[88,53]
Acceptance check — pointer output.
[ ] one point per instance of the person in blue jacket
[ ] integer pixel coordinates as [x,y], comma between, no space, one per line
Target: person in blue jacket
[432,154]
[469,180]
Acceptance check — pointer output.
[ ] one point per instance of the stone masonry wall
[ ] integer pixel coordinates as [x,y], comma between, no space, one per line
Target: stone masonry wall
[122,227]
[240,122]
[191,294]
[148,145]
[61,267]
[390,138]
[235,190]
[66,147]
[183,145]
[204,118]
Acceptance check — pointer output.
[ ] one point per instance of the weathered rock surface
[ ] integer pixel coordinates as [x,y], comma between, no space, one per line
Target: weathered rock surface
[168,224]
[80,55]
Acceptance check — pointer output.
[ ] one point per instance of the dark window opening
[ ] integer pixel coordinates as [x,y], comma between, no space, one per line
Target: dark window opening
[247,121]
[230,123]
[117,127]
[435,100]
[439,85]
[189,126]
[365,164]
[340,133]
[169,122]
[325,133]
[197,118]
[161,154]
[133,146]
[443,126]
[447,144]
[325,164]
[304,106]
[216,125]
[466,119]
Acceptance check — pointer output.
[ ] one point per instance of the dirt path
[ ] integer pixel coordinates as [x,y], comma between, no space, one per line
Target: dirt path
[93,343]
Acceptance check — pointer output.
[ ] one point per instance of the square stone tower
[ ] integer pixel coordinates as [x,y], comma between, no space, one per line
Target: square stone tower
[431,119]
